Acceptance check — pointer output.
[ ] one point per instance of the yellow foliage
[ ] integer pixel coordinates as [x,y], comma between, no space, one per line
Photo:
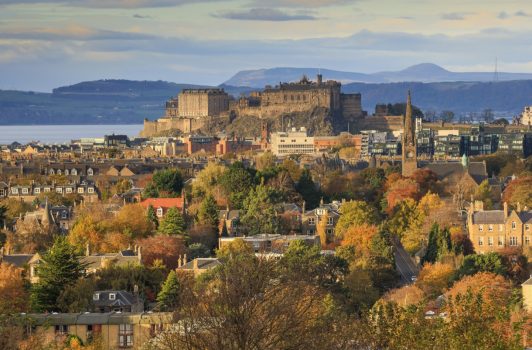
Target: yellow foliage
[405,296]
[360,237]
[434,279]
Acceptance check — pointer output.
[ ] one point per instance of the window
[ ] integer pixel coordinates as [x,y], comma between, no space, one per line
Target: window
[81,190]
[513,241]
[329,232]
[481,241]
[90,172]
[59,190]
[59,172]
[96,296]
[67,172]
[37,190]
[69,190]
[330,221]
[61,329]
[90,190]
[25,191]
[155,329]
[513,225]
[160,212]
[311,221]
[125,335]
[14,190]
[47,189]
[64,214]
[51,172]
[74,172]
[527,227]
[481,228]
[112,296]
[501,241]
[490,228]
[490,241]
[527,240]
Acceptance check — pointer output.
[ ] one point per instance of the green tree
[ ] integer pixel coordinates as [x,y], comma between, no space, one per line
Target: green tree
[168,182]
[60,267]
[259,214]
[483,193]
[173,223]
[168,297]
[150,191]
[198,250]
[307,188]
[236,182]
[208,212]
[490,262]
[439,244]
[152,216]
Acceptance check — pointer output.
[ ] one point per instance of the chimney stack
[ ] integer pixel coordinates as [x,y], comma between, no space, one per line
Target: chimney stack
[88,249]
[139,253]
[505,208]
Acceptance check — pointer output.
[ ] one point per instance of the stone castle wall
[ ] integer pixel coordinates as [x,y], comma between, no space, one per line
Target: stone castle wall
[202,103]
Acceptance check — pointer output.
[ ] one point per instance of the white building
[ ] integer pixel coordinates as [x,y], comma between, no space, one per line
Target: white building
[526,117]
[292,142]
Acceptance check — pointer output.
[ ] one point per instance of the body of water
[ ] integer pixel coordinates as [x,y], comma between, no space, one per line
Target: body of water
[62,133]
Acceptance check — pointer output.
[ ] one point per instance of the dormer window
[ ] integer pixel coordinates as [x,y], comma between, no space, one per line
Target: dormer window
[90,172]
[51,172]
[67,172]
[69,190]
[112,296]
[90,190]
[96,296]
[24,191]
[59,172]
[59,190]
[81,190]
[37,190]
[311,221]
[160,212]
[14,190]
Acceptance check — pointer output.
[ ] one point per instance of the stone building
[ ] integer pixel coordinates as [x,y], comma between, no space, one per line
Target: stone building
[293,142]
[491,230]
[526,116]
[409,148]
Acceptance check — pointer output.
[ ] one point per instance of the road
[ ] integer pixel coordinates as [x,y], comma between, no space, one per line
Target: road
[404,263]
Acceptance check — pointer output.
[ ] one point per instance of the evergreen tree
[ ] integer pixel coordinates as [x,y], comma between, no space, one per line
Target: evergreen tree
[173,223]
[208,212]
[152,216]
[168,297]
[168,182]
[432,247]
[307,188]
[259,214]
[236,183]
[60,268]
[150,191]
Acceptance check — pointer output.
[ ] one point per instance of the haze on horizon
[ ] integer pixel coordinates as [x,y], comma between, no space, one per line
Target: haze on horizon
[49,43]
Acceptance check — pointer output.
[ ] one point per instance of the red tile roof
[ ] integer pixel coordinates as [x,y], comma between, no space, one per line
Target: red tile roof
[165,203]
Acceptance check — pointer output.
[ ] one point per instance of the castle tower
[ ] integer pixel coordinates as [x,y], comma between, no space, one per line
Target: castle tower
[409,156]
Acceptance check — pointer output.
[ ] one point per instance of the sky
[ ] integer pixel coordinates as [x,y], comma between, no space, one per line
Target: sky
[49,43]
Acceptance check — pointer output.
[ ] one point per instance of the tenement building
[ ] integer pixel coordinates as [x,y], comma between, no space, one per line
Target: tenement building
[491,230]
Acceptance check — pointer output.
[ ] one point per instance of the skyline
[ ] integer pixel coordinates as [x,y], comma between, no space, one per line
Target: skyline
[49,43]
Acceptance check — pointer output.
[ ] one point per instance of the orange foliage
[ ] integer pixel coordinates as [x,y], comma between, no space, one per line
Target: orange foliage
[162,247]
[495,289]
[401,190]
[360,237]
[405,296]
[14,296]
[433,279]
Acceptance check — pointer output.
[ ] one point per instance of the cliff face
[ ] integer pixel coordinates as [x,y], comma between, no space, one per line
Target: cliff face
[318,122]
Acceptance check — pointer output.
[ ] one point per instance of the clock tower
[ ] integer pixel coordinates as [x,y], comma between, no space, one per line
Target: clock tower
[409,157]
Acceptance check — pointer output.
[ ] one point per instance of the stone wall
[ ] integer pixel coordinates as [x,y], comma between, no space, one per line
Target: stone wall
[202,102]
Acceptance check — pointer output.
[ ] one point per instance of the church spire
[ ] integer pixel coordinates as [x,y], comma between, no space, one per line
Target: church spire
[409,156]
[409,130]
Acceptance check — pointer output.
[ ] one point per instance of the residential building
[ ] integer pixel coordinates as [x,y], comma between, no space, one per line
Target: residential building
[275,243]
[311,219]
[491,230]
[198,265]
[527,294]
[104,301]
[162,205]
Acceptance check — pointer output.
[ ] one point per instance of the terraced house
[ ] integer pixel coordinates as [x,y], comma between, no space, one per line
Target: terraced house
[492,230]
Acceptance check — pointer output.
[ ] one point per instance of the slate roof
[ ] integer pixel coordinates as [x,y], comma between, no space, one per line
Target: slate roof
[18,260]
[526,216]
[477,170]
[203,264]
[233,214]
[122,298]
[488,217]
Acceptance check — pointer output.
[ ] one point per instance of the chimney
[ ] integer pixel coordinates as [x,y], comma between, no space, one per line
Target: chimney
[195,264]
[179,261]
[304,207]
[184,259]
[505,208]
[87,250]
[139,253]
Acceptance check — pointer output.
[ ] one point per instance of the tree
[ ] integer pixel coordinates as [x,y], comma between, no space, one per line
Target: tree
[355,213]
[260,212]
[236,183]
[168,297]
[427,181]
[400,190]
[434,279]
[131,220]
[519,191]
[168,182]
[483,193]
[360,237]
[237,247]
[439,244]
[3,214]
[207,181]
[488,115]
[293,169]
[447,116]
[489,262]
[307,188]
[265,161]
[172,223]
[162,248]
[59,268]
[321,230]
[198,250]
[77,297]
[13,290]
[405,296]
[152,216]
[494,288]
[150,191]
[208,212]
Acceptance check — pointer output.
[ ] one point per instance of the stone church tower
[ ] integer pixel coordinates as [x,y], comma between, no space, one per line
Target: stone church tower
[409,157]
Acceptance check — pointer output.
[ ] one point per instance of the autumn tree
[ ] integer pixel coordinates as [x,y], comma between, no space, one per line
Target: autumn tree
[321,230]
[13,289]
[405,296]
[294,170]
[399,191]
[427,181]
[483,193]
[355,213]
[207,182]
[172,223]
[237,247]
[60,267]
[163,248]
[494,288]
[434,278]
[519,191]
[236,182]
[131,220]
[360,237]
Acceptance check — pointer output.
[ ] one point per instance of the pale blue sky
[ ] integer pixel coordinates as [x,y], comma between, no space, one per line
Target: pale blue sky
[48,43]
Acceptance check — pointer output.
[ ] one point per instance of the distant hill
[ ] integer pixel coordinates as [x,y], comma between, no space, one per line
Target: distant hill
[129,102]
[424,72]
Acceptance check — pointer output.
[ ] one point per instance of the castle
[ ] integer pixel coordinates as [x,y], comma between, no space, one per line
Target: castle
[193,108]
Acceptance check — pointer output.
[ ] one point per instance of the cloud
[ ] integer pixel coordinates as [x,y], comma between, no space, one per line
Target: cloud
[503,15]
[108,3]
[136,15]
[455,16]
[265,14]
[303,3]
[521,13]
[73,32]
